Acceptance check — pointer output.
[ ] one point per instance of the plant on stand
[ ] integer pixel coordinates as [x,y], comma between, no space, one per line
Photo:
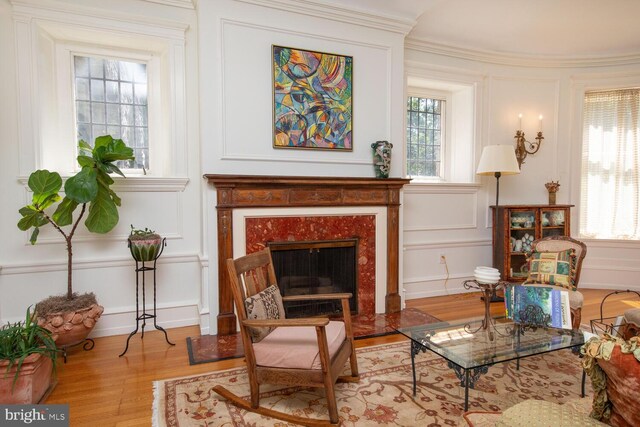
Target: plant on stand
[72,316]
[145,245]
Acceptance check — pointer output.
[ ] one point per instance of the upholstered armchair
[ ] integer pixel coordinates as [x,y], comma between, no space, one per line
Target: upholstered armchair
[558,244]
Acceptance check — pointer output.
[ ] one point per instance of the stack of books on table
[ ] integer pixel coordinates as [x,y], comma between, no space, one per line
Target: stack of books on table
[539,305]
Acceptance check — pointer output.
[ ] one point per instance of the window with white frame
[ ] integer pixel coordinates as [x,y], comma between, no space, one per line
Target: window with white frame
[425,136]
[107,76]
[111,98]
[610,182]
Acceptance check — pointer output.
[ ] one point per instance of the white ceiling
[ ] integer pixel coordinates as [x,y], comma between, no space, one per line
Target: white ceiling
[536,28]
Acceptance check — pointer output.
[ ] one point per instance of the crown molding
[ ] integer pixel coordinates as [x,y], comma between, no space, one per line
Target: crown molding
[76,14]
[339,13]
[186,4]
[515,59]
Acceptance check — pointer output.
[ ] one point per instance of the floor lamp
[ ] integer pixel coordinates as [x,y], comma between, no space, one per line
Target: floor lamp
[497,160]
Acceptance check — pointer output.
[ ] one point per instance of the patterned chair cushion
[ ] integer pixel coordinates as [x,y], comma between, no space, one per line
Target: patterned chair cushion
[553,268]
[264,305]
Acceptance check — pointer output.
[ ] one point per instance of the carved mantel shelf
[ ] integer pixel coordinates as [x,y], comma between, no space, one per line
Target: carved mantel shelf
[259,191]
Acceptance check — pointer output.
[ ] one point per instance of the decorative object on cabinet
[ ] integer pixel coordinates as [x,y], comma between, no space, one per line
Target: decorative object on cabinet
[512,239]
[312,99]
[497,160]
[552,188]
[522,143]
[382,158]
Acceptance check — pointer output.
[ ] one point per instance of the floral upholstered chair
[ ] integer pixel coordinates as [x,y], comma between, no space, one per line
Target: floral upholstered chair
[557,261]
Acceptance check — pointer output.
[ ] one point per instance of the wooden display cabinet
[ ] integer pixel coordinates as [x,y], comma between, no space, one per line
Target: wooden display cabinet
[516,227]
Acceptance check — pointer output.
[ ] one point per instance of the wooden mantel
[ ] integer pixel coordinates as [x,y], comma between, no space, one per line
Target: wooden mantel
[259,191]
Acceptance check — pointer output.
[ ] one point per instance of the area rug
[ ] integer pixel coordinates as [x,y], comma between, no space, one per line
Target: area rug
[211,348]
[382,397]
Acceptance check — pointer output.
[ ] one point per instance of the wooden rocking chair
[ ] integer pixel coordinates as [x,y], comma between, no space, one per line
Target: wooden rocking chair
[308,352]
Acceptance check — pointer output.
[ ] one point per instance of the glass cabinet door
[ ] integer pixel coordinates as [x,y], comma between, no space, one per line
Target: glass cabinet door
[552,222]
[522,232]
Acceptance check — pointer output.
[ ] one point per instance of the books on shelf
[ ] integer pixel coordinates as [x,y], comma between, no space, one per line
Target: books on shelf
[539,305]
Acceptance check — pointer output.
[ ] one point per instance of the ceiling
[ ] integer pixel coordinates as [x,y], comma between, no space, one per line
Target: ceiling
[534,28]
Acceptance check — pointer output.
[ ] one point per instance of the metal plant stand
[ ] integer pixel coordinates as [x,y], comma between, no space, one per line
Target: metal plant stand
[140,271]
[87,345]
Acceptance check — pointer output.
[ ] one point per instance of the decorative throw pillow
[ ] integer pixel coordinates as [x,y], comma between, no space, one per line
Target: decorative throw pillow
[264,305]
[553,268]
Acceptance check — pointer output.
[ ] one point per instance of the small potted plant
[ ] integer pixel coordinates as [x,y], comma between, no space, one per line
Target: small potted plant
[145,245]
[72,316]
[27,361]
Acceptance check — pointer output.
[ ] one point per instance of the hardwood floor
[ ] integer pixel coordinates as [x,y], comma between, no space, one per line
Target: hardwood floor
[103,389]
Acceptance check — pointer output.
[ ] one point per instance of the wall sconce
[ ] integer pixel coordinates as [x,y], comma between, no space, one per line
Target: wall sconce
[524,147]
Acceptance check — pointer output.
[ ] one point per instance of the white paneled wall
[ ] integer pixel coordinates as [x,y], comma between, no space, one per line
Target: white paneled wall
[555,91]
[443,220]
[222,104]
[236,69]
[169,203]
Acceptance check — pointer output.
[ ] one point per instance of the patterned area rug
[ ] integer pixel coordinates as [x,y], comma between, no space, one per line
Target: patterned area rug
[382,397]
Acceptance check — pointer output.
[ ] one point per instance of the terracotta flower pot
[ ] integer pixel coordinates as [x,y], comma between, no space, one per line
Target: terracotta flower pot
[72,327]
[34,381]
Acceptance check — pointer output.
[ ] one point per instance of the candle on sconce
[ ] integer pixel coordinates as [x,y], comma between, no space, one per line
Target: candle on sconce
[520,121]
[540,117]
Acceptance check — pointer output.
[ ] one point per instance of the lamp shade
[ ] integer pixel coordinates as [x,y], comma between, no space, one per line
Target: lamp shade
[498,158]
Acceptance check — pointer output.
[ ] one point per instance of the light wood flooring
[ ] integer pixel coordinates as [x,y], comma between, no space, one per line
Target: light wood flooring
[103,389]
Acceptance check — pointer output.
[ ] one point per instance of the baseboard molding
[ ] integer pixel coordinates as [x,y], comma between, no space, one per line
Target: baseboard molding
[435,286]
[123,322]
[612,286]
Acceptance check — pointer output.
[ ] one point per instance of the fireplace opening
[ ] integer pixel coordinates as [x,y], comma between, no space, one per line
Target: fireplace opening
[316,267]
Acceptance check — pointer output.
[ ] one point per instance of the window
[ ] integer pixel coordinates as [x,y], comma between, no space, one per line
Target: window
[610,199]
[111,98]
[425,128]
[144,59]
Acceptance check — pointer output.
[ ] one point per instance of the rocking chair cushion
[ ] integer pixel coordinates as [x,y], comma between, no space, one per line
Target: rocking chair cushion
[297,347]
[264,305]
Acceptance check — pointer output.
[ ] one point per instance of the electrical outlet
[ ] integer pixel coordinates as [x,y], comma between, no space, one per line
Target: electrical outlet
[443,259]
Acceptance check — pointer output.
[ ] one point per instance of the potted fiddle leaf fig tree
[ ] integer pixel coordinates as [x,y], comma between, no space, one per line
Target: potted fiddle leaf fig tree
[72,316]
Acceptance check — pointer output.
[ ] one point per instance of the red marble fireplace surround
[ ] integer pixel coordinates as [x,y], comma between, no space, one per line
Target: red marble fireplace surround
[260,231]
[245,191]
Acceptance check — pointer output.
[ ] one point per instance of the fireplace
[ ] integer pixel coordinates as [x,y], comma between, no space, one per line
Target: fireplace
[310,268]
[279,196]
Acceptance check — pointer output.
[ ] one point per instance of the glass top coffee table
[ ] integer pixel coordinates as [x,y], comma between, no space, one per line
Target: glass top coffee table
[469,350]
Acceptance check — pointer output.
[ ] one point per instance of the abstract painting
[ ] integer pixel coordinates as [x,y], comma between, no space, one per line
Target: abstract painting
[312,97]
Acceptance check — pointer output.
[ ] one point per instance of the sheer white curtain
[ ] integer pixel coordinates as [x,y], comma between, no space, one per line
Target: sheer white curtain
[610,198]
